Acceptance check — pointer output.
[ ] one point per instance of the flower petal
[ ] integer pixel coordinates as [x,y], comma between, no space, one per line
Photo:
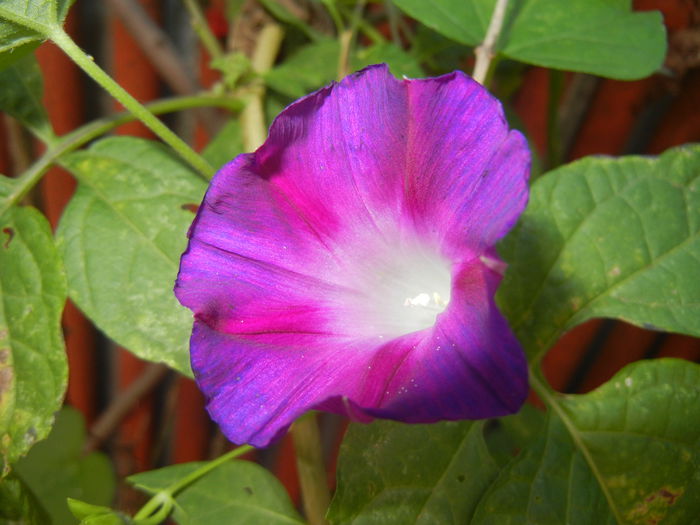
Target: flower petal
[317,265]
[468,366]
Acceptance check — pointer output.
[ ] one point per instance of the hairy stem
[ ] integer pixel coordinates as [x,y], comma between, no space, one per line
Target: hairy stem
[87,64]
[487,50]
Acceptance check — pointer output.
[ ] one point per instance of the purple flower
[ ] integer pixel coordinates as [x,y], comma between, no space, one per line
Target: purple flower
[348,265]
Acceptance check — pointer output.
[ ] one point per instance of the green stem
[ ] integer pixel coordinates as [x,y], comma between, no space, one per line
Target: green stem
[540,386]
[311,469]
[22,185]
[335,15]
[87,64]
[200,26]
[164,498]
[253,115]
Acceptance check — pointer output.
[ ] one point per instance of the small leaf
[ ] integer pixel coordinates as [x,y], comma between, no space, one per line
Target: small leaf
[33,369]
[233,493]
[602,37]
[316,65]
[20,96]
[607,238]
[227,144]
[395,473]
[24,24]
[19,505]
[56,469]
[121,237]
[626,453]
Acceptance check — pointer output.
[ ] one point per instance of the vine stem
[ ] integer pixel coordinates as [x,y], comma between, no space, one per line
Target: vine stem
[253,115]
[547,395]
[311,469]
[150,512]
[487,49]
[200,26]
[87,64]
[84,134]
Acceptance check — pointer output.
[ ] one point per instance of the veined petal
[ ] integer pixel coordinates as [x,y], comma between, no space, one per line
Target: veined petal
[348,264]
[467,366]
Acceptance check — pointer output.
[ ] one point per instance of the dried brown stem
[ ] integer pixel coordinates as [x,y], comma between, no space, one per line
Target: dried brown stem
[110,419]
[487,50]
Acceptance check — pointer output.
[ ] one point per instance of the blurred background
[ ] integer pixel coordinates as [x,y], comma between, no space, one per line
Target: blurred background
[144,415]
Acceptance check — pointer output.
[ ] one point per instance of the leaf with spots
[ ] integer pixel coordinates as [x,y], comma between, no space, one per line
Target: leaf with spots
[411,474]
[121,237]
[626,453]
[605,237]
[233,493]
[33,368]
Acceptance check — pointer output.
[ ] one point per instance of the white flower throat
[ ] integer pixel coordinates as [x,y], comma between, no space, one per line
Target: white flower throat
[406,290]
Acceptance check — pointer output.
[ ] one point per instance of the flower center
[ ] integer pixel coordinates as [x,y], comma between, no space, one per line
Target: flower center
[405,291]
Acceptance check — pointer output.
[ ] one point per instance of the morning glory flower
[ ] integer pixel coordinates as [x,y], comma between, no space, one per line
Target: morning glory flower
[348,265]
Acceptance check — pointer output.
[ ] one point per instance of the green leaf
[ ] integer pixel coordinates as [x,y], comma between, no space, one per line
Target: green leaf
[20,96]
[607,238]
[33,369]
[24,24]
[233,493]
[629,451]
[602,37]
[227,144]
[121,237]
[19,505]
[56,469]
[400,62]
[395,473]
[316,65]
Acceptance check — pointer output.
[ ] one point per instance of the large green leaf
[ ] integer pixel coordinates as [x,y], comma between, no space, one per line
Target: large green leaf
[233,493]
[24,24]
[602,37]
[21,89]
[627,453]
[33,369]
[607,238]
[121,237]
[395,473]
[56,469]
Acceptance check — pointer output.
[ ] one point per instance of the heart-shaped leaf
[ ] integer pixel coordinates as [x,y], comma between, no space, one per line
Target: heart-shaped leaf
[121,237]
[33,368]
[607,238]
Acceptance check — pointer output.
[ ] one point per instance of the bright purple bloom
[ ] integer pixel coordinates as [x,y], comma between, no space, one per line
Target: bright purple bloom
[348,265]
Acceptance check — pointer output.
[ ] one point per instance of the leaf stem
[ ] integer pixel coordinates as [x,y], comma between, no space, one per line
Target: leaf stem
[311,469]
[87,64]
[200,26]
[84,134]
[163,499]
[487,50]
[548,397]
